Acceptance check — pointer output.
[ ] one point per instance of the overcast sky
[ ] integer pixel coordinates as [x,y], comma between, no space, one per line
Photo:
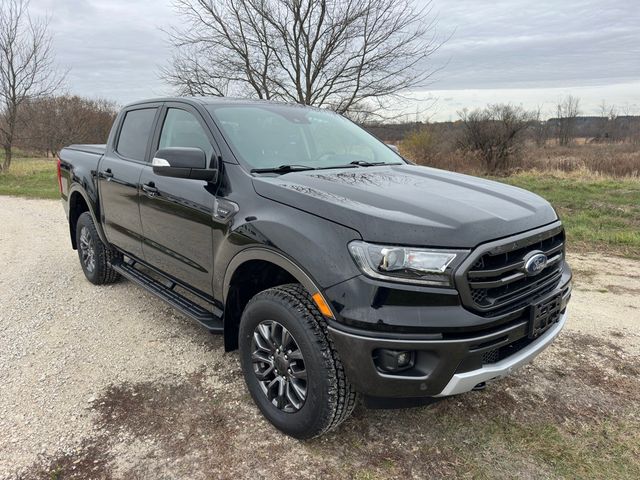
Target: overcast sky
[519,51]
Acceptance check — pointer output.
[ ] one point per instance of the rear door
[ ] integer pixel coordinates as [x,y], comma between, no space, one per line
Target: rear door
[119,174]
[177,213]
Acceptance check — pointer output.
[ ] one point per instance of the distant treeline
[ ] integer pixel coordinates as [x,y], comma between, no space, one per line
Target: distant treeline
[47,124]
[503,138]
[593,128]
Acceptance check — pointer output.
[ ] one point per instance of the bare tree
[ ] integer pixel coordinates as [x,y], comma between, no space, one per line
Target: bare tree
[47,124]
[348,55]
[567,110]
[26,67]
[608,123]
[540,130]
[496,133]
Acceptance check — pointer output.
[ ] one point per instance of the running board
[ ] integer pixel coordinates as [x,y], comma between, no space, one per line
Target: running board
[179,302]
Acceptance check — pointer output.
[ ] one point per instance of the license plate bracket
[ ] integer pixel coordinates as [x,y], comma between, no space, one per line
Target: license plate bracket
[543,314]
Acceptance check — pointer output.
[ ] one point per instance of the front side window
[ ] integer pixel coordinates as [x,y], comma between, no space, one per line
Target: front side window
[271,135]
[135,132]
[182,129]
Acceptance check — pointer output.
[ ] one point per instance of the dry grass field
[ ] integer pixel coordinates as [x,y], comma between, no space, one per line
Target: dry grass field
[615,160]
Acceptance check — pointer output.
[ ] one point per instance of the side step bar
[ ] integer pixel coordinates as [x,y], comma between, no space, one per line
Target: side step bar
[191,309]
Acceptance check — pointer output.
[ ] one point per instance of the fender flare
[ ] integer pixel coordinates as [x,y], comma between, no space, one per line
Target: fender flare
[268,255]
[76,188]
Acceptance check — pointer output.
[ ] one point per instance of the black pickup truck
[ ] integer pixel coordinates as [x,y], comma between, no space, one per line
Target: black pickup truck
[334,265]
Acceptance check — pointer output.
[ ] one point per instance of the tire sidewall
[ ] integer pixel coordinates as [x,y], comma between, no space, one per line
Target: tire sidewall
[309,419]
[85,221]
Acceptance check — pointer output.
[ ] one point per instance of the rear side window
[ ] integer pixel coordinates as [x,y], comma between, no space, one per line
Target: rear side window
[135,132]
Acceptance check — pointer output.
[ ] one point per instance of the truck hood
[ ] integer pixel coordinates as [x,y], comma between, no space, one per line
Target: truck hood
[411,205]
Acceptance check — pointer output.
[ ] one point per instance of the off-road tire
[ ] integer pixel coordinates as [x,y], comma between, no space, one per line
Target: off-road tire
[330,397]
[101,272]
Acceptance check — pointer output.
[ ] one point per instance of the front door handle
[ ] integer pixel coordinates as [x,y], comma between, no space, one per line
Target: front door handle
[150,189]
[107,173]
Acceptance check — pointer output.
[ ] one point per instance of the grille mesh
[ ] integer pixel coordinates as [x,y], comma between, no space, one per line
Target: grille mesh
[498,354]
[479,295]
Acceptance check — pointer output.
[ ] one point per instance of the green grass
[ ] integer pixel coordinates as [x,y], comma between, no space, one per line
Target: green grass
[599,213]
[509,448]
[600,450]
[30,177]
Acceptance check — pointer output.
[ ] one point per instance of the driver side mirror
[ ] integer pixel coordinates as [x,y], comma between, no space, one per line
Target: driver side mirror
[183,162]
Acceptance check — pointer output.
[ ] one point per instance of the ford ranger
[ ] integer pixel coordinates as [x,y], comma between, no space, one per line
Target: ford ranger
[336,267]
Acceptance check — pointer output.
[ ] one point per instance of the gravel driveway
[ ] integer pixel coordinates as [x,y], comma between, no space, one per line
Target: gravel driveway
[109,382]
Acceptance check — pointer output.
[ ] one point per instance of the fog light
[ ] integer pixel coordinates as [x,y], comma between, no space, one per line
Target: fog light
[393,360]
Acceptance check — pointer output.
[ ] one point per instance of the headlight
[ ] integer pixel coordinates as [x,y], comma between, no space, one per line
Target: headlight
[424,266]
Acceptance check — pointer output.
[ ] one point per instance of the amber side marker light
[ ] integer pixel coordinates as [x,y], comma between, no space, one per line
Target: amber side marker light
[322,305]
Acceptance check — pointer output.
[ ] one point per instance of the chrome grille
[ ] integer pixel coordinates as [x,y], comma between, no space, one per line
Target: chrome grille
[494,282]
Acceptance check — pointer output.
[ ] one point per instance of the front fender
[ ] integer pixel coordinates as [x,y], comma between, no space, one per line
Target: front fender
[314,250]
[272,256]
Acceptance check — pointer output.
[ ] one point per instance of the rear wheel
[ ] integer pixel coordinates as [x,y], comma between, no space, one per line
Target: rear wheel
[95,256]
[290,365]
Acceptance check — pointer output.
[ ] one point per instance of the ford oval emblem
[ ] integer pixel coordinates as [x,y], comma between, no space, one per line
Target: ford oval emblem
[534,262]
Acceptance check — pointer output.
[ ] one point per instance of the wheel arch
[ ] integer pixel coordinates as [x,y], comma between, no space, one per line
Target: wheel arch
[80,202]
[281,270]
[277,258]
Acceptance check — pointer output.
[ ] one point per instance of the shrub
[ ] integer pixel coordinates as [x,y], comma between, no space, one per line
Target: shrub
[496,134]
[436,145]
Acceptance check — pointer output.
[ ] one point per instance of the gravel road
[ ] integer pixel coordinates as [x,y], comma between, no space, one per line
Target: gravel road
[109,382]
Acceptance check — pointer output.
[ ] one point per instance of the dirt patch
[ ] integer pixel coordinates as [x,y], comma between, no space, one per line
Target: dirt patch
[584,276]
[87,461]
[177,416]
[606,299]
[172,419]
[584,379]
[621,290]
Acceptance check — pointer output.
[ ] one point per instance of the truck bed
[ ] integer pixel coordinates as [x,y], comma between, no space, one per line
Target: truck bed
[95,148]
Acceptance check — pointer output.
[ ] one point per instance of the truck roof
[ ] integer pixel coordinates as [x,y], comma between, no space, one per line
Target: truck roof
[210,100]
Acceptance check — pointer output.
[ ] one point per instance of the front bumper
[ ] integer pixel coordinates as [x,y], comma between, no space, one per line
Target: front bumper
[443,366]
[466,381]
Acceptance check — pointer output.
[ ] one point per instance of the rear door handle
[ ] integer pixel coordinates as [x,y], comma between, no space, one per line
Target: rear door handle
[150,189]
[107,173]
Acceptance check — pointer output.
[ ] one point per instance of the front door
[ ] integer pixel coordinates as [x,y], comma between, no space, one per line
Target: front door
[119,176]
[177,213]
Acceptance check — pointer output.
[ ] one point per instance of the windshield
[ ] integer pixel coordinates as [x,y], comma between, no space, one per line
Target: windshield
[271,136]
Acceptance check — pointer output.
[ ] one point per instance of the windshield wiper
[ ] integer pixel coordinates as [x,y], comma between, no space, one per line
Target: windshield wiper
[283,169]
[359,163]
[364,163]
[302,168]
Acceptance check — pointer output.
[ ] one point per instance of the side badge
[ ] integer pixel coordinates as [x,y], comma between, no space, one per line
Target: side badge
[224,210]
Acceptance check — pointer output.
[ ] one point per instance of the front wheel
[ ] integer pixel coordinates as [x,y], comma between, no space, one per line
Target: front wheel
[290,365]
